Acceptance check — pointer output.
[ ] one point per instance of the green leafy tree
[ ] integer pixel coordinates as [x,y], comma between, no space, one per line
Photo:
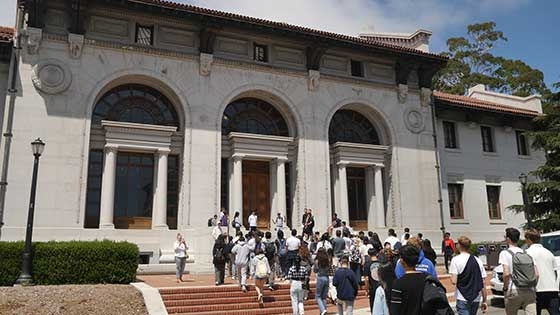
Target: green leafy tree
[544,195]
[472,62]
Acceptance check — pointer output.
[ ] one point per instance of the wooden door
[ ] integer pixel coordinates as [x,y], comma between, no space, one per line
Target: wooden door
[256,192]
[357,200]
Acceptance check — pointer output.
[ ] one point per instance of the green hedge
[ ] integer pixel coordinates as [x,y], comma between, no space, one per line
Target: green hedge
[72,262]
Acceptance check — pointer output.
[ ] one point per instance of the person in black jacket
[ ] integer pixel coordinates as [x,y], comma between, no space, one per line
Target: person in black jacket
[429,252]
[346,286]
[219,259]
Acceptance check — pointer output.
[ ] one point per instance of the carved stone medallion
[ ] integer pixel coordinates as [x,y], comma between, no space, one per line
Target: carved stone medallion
[51,76]
[414,120]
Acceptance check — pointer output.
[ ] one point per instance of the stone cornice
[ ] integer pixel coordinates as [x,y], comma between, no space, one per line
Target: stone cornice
[134,128]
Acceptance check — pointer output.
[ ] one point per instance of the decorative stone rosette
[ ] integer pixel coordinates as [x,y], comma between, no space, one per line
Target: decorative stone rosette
[51,76]
[414,120]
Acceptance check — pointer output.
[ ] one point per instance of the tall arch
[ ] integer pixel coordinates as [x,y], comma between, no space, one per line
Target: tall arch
[135,156]
[359,140]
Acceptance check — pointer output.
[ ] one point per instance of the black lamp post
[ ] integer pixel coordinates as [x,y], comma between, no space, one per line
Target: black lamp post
[25,277]
[523,182]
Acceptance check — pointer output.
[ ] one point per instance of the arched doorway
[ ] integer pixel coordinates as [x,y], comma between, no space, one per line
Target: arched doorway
[135,153]
[357,160]
[256,163]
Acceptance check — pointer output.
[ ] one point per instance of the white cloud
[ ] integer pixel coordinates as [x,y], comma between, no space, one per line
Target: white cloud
[354,16]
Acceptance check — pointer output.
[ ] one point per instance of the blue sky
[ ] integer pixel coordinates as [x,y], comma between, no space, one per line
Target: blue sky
[531,26]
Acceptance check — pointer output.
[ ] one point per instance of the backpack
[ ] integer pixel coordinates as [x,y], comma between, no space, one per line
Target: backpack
[270,250]
[434,298]
[219,256]
[283,248]
[260,269]
[228,248]
[523,270]
[210,222]
[355,256]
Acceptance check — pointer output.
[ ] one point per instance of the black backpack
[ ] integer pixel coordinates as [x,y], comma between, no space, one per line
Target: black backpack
[219,256]
[270,250]
[434,298]
[210,222]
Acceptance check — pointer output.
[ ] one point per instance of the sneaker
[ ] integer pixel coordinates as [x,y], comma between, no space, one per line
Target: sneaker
[244,288]
[260,299]
[233,278]
[271,288]
[324,313]
[217,283]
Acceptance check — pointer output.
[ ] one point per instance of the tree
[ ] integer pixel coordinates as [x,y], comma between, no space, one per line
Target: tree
[544,195]
[471,62]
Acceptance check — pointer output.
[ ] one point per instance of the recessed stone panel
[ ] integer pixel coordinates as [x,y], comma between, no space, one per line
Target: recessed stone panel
[111,27]
[232,46]
[380,72]
[54,20]
[288,55]
[175,37]
[335,63]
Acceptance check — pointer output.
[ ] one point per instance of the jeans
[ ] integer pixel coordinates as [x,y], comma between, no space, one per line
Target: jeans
[446,260]
[321,290]
[296,295]
[349,307]
[290,258]
[465,308]
[548,301]
[520,298]
[180,266]
[219,273]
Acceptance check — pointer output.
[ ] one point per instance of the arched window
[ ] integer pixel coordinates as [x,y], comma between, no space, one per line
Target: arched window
[351,126]
[137,104]
[251,115]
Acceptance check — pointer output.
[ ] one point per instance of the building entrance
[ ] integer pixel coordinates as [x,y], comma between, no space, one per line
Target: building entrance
[256,192]
[357,200]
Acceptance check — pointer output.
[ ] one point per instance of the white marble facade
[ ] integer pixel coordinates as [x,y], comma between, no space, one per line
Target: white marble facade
[59,87]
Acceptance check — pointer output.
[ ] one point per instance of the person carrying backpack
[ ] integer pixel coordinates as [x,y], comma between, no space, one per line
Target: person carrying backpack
[468,273]
[219,259]
[270,253]
[447,249]
[520,276]
[260,270]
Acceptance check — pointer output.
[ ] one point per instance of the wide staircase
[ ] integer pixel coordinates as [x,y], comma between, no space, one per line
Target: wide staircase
[229,299]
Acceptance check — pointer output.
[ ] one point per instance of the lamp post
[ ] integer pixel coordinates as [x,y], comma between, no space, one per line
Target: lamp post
[523,182]
[25,277]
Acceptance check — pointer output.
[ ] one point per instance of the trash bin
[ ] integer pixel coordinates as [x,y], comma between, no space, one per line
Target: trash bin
[482,254]
[493,255]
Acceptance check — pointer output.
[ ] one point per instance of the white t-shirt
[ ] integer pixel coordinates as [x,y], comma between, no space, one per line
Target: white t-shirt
[506,259]
[292,243]
[458,264]
[180,249]
[391,240]
[546,265]
[252,220]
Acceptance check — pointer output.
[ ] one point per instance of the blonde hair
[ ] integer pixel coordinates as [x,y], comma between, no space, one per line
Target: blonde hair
[464,242]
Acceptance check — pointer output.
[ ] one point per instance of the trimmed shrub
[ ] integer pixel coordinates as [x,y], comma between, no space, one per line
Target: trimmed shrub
[73,262]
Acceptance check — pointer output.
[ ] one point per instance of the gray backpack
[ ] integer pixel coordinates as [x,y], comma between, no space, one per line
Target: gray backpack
[523,270]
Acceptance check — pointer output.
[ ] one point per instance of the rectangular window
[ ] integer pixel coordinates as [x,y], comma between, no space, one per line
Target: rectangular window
[487,139]
[260,53]
[455,192]
[450,135]
[522,145]
[144,35]
[356,68]
[493,197]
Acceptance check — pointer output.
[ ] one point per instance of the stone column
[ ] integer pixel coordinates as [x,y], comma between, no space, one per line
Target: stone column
[343,212]
[280,188]
[379,202]
[159,213]
[108,188]
[238,185]
[370,196]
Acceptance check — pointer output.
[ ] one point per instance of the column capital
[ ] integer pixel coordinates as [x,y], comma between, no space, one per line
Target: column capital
[163,151]
[111,148]
[342,164]
[378,166]
[237,157]
[281,160]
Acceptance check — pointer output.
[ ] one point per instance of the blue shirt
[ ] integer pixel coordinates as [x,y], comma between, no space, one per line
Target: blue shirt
[424,265]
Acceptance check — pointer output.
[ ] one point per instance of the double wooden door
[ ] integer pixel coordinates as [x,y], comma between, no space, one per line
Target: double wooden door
[256,192]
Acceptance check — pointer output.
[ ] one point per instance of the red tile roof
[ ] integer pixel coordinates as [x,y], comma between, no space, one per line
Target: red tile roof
[6,34]
[470,102]
[289,27]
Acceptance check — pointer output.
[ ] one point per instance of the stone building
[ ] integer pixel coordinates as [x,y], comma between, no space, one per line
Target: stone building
[155,115]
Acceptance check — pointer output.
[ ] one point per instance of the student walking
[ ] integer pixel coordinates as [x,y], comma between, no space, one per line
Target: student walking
[297,274]
[260,270]
[321,269]
[219,259]
[180,247]
[346,287]
[371,268]
[468,274]
[516,294]
[271,255]
[406,298]
[381,302]
[447,249]
[241,251]
[253,219]
[547,287]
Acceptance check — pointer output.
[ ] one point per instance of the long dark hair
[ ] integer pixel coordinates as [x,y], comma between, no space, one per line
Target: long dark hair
[236,214]
[322,258]
[297,262]
[387,277]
